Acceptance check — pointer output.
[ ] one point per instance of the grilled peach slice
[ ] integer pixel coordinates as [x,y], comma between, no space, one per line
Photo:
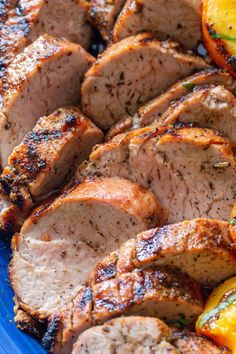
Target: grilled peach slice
[219,32]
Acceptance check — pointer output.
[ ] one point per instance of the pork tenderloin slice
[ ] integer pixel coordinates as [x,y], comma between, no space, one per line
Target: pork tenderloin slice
[201,248]
[208,107]
[178,19]
[27,20]
[189,342]
[43,162]
[190,170]
[103,14]
[61,242]
[134,334]
[113,86]
[153,292]
[155,108]
[51,69]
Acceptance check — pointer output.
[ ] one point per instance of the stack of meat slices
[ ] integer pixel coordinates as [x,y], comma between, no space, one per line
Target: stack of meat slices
[111,239]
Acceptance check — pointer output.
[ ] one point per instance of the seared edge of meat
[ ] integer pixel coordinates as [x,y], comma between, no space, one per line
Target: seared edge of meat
[153,292]
[50,68]
[69,235]
[43,162]
[113,85]
[189,342]
[27,20]
[211,107]
[201,248]
[147,334]
[103,13]
[153,110]
[166,160]
[179,20]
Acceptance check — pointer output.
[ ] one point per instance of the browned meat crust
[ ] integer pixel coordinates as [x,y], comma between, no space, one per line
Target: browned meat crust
[201,248]
[24,21]
[153,292]
[153,110]
[43,162]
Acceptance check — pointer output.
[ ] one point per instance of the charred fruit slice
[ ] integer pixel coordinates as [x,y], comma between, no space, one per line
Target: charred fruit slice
[218,321]
[219,32]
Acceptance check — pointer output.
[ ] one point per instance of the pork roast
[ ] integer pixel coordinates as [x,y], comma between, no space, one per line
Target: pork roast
[179,20]
[46,158]
[136,334]
[62,240]
[208,107]
[192,171]
[201,248]
[45,76]
[28,19]
[153,292]
[130,73]
[103,14]
[154,109]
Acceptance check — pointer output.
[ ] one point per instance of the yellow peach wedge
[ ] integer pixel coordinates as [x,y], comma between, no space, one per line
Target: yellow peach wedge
[219,32]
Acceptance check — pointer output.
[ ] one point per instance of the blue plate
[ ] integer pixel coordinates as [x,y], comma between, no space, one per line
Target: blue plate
[12,340]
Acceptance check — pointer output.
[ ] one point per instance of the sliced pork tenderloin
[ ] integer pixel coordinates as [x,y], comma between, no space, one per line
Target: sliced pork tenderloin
[126,335]
[189,342]
[201,248]
[153,292]
[43,162]
[61,241]
[192,171]
[208,107]
[103,14]
[114,86]
[136,334]
[27,20]
[179,20]
[154,109]
[50,69]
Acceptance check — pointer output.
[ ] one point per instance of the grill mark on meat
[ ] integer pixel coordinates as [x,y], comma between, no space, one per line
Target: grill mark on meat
[25,21]
[197,242]
[128,294]
[35,164]
[154,109]
[49,337]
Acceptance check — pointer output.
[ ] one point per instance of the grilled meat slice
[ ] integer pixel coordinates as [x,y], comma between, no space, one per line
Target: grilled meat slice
[201,248]
[113,86]
[179,20]
[189,342]
[190,170]
[153,292]
[208,107]
[154,109]
[27,20]
[136,334]
[50,69]
[126,335]
[103,14]
[43,162]
[61,241]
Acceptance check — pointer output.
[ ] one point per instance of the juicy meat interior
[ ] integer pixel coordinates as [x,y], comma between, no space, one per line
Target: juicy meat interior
[60,242]
[131,72]
[45,76]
